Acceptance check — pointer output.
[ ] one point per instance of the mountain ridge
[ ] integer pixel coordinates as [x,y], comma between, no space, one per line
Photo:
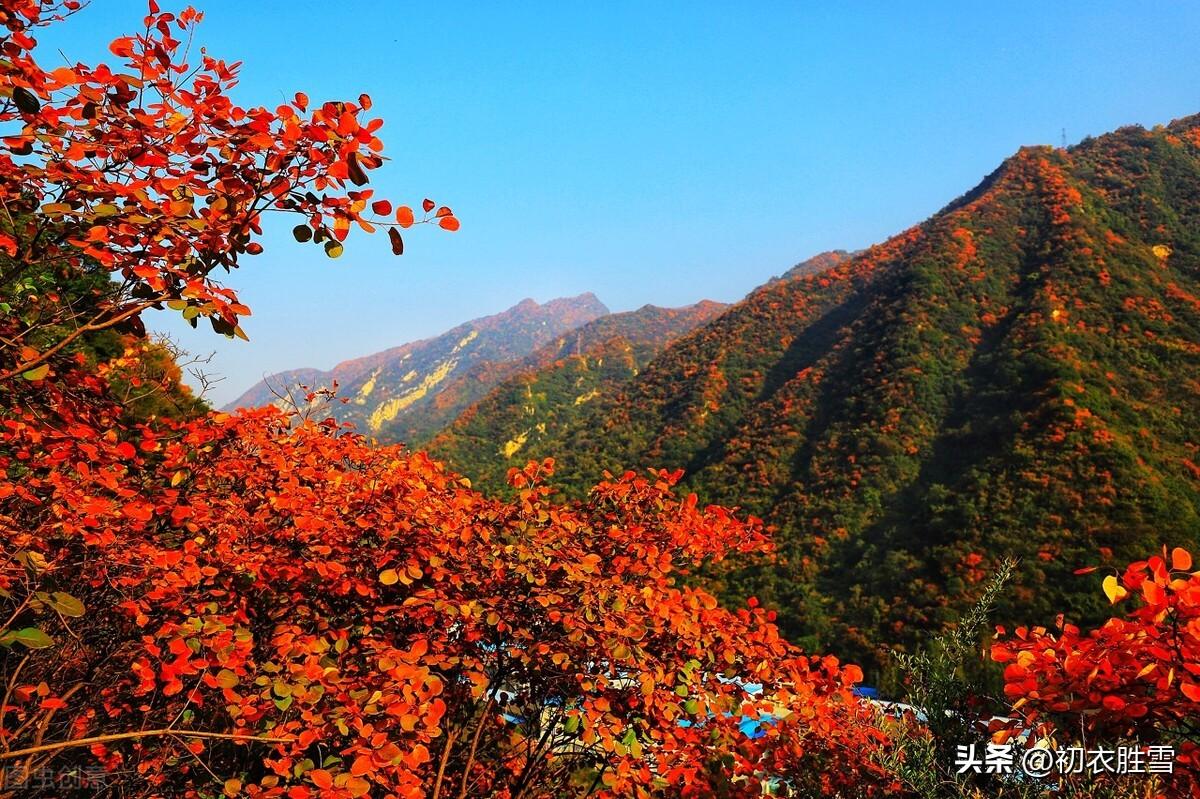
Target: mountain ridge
[548,387]
[387,389]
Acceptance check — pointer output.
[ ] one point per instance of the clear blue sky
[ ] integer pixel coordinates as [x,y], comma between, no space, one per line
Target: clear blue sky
[650,152]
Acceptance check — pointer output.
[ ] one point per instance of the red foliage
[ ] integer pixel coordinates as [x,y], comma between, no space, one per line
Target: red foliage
[271,599]
[1135,678]
[276,578]
[150,170]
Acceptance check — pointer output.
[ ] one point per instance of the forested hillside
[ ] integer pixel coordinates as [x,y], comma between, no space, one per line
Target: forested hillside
[519,417]
[266,603]
[1015,376]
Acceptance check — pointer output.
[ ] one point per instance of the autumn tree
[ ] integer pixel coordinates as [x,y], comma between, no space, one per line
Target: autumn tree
[266,605]
[148,176]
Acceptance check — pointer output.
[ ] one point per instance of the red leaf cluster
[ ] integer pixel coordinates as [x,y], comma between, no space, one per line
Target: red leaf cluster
[1135,678]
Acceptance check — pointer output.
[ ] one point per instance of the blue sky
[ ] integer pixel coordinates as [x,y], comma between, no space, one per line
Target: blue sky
[649,152]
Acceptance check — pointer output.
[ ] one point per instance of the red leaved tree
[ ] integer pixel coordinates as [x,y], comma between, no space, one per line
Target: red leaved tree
[147,172]
[266,605]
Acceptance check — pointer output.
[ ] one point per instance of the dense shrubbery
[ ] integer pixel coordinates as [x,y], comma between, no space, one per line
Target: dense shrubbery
[266,604]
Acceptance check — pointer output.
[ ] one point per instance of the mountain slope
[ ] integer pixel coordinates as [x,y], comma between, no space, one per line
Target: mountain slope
[551,388]
[400,394]
[526,417]
[1018,376]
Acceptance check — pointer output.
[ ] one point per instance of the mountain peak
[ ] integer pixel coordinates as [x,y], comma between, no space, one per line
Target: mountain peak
[390,386]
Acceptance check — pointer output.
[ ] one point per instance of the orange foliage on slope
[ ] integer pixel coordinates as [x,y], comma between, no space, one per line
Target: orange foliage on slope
[271,600]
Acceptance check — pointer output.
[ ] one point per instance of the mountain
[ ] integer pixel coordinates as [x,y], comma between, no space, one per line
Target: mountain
[525,417]
[1019,375]
[552,387]
[408,392]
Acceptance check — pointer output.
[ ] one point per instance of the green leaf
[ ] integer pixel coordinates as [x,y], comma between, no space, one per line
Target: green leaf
[37,373]
[691,706]
[31,637]
[66,604]
[571,724]
[35,562]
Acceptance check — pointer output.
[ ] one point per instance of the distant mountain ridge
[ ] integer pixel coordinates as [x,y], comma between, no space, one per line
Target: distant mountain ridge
[524,416]
[390,391]
[547,391]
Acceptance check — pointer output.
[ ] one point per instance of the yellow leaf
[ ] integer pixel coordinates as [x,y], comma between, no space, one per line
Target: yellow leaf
[1113,590]
[37,373]
[389,577]
[178,478]
[233,787]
